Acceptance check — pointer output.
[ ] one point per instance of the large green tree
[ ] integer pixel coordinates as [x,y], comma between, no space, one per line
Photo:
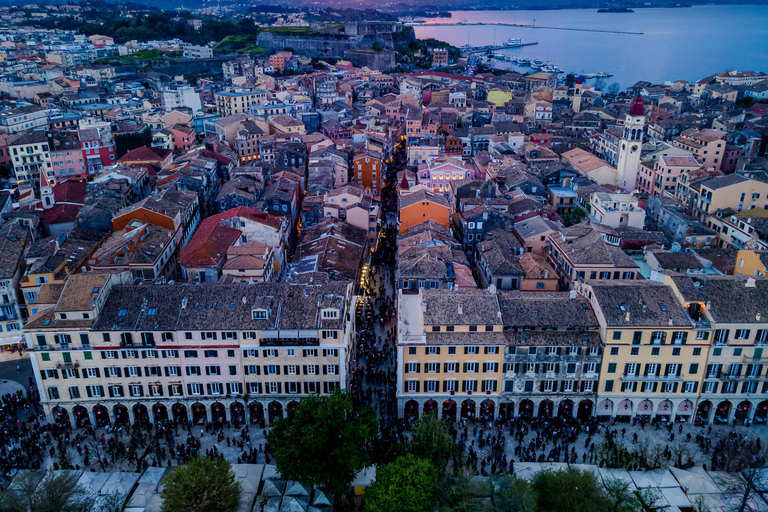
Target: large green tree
[203,485]
[59,492]
[512,494]
[432,440]
[406,485]
[569,489]
[323,443]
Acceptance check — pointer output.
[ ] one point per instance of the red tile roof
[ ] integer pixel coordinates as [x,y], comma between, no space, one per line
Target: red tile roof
[70,192]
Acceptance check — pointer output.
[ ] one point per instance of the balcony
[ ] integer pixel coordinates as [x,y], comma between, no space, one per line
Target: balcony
[62,364]
[653,378]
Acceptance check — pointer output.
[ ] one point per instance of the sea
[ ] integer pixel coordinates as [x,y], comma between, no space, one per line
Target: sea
[667,44]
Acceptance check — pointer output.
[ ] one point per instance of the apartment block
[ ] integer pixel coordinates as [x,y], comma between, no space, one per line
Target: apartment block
[110,352]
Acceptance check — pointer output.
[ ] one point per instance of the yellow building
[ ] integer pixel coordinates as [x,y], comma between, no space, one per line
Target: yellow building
[500,96]
[450,353]
[751,263]
[654,357]
[733,191]
[735,310]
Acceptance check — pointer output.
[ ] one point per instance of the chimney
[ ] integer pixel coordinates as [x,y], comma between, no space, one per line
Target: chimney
[571,295]
[460,309]
[645,308]
[750,283]
[626,317]
[546,276]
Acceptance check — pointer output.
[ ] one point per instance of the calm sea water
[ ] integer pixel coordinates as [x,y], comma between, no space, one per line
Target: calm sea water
[683,43]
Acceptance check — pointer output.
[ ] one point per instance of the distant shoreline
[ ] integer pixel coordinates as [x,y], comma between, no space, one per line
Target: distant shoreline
[594,8]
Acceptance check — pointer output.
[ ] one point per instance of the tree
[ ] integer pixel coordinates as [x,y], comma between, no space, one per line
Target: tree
[323,443]
[569,489]
[58,492]
[741,489]
[512,494]
[406,485]
[203,485]
[621,498]
[431,440]
[574,216]
[570,80]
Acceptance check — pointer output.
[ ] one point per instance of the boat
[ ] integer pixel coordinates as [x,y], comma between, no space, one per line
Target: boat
[615,10]
[524,62]
[537,62]
[514,41]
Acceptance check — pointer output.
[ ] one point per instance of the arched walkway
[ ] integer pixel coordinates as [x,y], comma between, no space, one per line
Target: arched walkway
[761,413]
[665,409]
[122,417]
[703,412]
[565,409]
[487,410]
[625,408]
[586,407]
[605,408]
[430,406]
[199,414]
[218,413]
[468,409]
[180,412]
[685,409]
[237,413]
[159,412]
[100,415]
[449,410]
[61,417]
[526,409]
[140,414]
[275,411]
[723,411]
[546,408]
[291,407]
[256,413]
[645,408]
[411,410]
[81,416]
[742,412]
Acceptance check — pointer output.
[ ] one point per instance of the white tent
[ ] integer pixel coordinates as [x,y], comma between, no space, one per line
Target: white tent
[695,481]
[273,488]
[654,478]
[119,484]
[617,474]
[249,477]
[270,472]
[675,497]
[320,499]
[291,504]
[93,481]
[146,488]
[295,489]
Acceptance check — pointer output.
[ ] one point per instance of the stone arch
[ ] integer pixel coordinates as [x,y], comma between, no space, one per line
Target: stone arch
[159,412]
[411,410]
[586,408]
[61,417]
[275,410]
[685,408]
[742,412]
[546,409]
[665,408]
[487,410]
[430,406]
[140,414]
[723,411]
[605,407]
[180,412]
[256,413]
[624,408]
[449,410]
[237,413]
[199,414]
[526,409]
[291,407]
[100,415]
[81,416]
[761,412]
[565,409]
[468,409]
[703,411]
[121,415]
[218,413]
[645,408]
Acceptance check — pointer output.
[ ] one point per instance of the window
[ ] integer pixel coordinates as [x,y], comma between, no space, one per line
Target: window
[270,352]
[611,367]
[195,388]
[411,386]
[469,385]
[53,393]
[614,351]
[470,367]
[310,352]
[451,367]
[213,370]
[209,335]
[567,386]
[332,369]
[609,386]
[193,371]
[450,385]
[697,351]
[190,353]
[211,353]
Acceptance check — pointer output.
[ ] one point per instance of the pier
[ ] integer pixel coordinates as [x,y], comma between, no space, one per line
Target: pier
[522,25]
[482,49]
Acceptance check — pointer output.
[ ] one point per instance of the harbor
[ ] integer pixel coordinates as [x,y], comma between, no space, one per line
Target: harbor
[523,25]
[467,50]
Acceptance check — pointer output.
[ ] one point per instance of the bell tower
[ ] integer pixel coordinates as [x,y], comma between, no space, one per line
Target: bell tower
[630,146]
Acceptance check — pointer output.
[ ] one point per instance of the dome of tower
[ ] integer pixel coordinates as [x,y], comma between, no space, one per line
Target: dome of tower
[637,108]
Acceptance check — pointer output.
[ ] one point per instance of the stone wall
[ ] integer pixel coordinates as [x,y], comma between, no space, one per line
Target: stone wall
[384,60]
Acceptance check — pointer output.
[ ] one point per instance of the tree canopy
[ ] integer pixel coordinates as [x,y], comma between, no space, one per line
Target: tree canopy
[323,443]
[58,492]
[203,485]
[569,489]
[431,440]
[406,485]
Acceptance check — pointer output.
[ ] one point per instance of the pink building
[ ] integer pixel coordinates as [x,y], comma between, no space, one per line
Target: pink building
[183,137]
[438,173]
[98,149]
[67,157]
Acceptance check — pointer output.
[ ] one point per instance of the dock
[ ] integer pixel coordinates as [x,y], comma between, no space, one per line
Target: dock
[489,48]
[522,25]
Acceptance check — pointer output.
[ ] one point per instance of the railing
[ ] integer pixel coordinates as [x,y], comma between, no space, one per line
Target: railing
[62,364]
[653,378]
